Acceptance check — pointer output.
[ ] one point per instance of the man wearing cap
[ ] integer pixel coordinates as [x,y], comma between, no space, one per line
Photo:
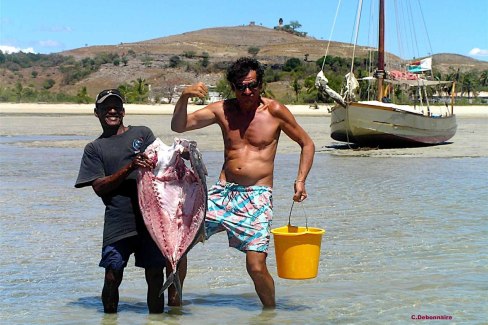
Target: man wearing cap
[108,165]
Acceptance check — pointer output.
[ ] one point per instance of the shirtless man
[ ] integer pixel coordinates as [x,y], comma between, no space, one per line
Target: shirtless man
[241,202]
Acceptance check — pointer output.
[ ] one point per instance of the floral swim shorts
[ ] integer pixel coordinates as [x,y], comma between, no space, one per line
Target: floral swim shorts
[244,212]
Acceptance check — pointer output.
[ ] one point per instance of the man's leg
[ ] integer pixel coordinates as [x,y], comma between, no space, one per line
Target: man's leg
[154,280]
[110,292]
[173,299]
[263,282]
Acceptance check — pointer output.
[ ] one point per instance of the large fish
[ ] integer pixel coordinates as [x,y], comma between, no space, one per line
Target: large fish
[173,200]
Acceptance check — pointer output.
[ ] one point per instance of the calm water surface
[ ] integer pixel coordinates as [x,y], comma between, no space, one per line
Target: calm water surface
[404,236]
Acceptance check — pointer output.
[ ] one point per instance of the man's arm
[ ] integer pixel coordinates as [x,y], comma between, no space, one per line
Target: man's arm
[295,132]
[181,121]
[105,185]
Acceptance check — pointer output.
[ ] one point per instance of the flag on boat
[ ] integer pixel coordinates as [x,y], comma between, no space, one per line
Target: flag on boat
[420,65]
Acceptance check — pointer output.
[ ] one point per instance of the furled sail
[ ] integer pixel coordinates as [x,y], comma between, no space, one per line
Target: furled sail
[351,85]
[321,82]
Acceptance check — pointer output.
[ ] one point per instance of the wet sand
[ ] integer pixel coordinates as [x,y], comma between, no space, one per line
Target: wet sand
[165,109]
[78,120]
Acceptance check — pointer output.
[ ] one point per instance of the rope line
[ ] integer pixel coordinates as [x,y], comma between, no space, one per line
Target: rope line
[330,36]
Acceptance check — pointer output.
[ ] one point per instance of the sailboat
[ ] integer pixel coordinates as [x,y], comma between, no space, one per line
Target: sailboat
[381,122]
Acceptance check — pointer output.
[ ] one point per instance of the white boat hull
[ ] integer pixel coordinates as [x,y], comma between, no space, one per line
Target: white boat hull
[386,124]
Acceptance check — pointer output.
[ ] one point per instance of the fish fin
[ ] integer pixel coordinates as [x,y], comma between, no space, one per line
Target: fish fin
[169,281]
[177,284]
[200,237]
[174,279]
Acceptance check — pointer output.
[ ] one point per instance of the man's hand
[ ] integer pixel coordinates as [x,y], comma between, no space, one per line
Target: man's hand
[105,185]
[182,121]
[141,160]
[300,192]
[197,90]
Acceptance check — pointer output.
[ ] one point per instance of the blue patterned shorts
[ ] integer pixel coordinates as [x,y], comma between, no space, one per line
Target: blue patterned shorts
[244,212]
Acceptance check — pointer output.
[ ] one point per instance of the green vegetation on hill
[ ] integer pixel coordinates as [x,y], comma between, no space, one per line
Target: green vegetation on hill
[291,28]
[28,77]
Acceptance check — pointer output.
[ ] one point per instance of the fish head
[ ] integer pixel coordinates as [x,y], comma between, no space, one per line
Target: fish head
[196,160]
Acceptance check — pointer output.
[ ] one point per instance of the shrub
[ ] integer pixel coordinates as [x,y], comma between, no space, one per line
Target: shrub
[49,83]
[189,54]
[253,50]
[174,61]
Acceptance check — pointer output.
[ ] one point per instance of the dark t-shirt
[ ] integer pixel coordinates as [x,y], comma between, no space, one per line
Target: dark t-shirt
[105,156]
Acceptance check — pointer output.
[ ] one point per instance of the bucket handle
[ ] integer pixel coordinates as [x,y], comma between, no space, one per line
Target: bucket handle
[289,216]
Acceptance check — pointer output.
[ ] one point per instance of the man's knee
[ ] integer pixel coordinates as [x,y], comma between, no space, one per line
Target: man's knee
[257,269]
[113,277]
[256,265]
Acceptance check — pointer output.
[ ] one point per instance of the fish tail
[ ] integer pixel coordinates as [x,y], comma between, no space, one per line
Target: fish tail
[174,279]
[177,284]
[169,281]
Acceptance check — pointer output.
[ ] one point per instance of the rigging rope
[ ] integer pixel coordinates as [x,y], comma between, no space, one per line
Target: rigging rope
[349,79]
[399,30]
[356,33]
[330,36]
[425,27]
[413,31]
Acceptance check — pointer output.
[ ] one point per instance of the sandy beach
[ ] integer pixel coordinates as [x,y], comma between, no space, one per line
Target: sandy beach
[166,109]
[71,119]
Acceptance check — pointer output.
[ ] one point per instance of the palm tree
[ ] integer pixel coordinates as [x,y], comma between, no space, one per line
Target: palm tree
[125,90]
[82,96]
[266,92]
[484,78]
[223,88]
[296,88]
[18,90]
[468,84]
[140,89]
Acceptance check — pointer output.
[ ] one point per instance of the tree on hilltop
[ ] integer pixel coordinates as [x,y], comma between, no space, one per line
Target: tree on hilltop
[294,24]
[292,28]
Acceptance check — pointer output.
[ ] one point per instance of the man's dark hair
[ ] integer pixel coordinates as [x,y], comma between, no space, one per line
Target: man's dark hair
[241,68]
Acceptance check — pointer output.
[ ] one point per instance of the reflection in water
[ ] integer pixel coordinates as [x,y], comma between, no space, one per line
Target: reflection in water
[109,319]
[267,316]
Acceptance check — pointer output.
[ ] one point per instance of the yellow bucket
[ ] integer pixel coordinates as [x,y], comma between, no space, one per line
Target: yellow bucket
[297,251]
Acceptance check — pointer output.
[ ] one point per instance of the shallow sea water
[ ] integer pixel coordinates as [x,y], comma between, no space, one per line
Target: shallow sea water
[404,236]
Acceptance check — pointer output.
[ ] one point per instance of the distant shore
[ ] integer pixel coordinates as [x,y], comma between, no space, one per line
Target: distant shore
[167,109]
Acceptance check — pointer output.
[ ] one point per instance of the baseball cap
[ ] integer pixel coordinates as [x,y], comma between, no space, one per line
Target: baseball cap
[104,94]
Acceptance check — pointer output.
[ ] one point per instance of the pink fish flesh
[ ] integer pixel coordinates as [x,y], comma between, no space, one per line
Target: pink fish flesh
[173,199]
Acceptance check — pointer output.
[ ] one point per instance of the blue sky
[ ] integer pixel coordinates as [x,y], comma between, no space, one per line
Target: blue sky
[51,26]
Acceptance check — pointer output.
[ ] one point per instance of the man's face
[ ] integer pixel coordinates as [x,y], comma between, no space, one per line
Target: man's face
[247,89]
[111,112]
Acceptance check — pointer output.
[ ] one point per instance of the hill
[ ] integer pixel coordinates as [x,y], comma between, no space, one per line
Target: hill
[228,43]
[151,59]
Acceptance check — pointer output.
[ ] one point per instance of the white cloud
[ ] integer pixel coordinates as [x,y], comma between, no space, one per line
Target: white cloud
[46,44]
[13,49]
[49,43]
[56,29]
[478,52]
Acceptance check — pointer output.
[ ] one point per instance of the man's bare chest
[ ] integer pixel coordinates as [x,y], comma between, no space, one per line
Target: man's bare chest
[259,134]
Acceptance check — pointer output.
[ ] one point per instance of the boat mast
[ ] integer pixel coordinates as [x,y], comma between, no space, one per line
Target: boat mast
[380,68]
